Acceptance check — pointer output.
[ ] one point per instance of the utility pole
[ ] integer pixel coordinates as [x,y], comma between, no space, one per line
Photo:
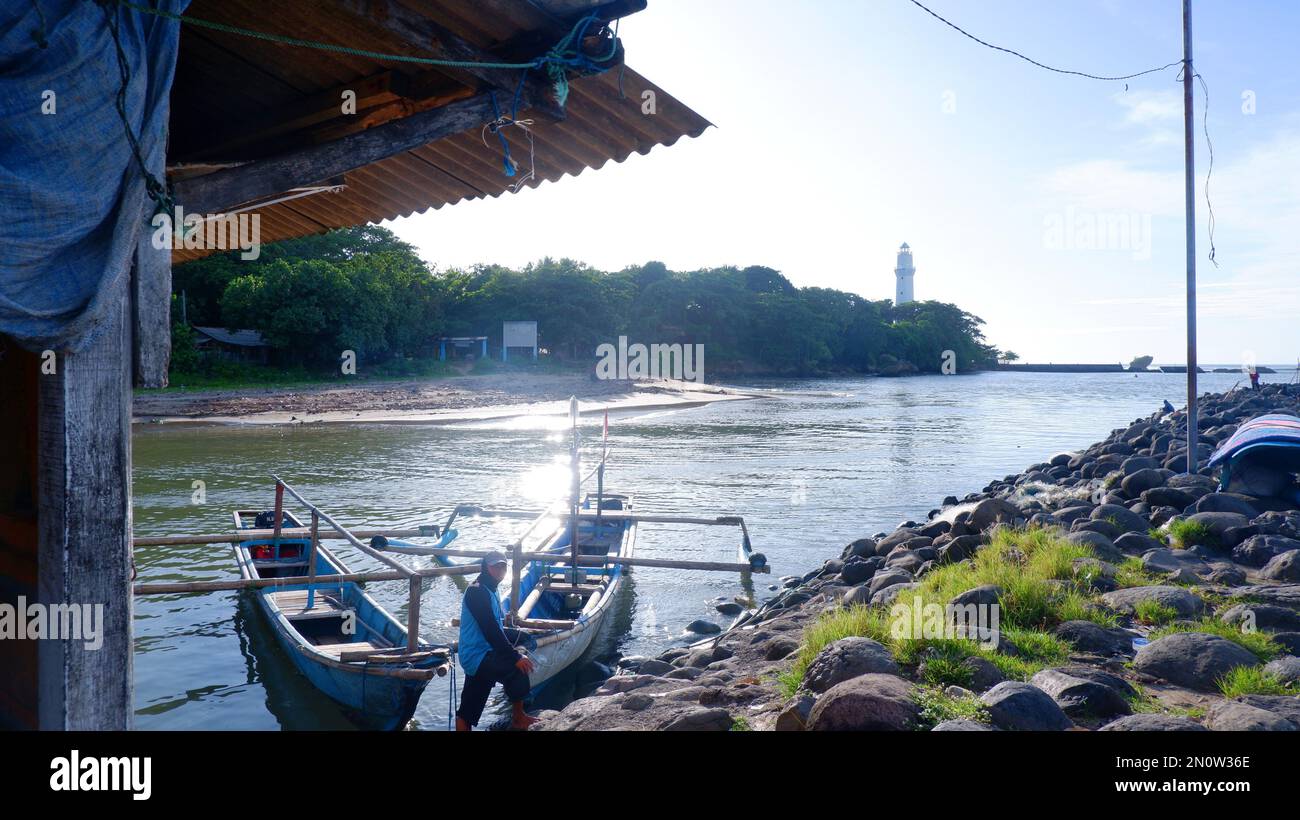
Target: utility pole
[1189,173]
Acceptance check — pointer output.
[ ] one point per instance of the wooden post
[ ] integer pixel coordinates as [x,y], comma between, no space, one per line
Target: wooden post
[516,570]
[311,559]
[413,615]
[84,512]
[279,519]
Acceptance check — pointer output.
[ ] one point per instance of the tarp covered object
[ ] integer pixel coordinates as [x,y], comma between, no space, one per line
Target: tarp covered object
[1271,441]
[72,198]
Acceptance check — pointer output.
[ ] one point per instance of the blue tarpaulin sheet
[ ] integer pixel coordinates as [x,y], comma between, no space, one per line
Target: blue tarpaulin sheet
[72,197]
[1274,438]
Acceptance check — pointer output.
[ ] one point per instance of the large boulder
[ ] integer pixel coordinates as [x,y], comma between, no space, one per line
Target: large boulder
[1258,550]
[1183,602]
[1153,723]
[992,511]
[1136,543]
[1286,668]
[1226,502]
[1219,525]
[1284,567]
[1194,660]
[1082,697]
[1168,497]
[1086,636]
[1100,545]
[1268,617]
[886,578]
[1122,517]
[867,703]
[1235,716]
[1023,707]
[847,658]
[1139,482]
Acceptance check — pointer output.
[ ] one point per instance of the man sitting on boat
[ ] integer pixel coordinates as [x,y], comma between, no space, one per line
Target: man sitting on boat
[488,650]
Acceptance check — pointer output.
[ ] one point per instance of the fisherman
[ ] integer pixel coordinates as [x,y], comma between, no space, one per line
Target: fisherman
[1254,379]
[488,651]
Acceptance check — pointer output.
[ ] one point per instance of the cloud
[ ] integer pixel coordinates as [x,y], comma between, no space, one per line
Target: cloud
[1146,107]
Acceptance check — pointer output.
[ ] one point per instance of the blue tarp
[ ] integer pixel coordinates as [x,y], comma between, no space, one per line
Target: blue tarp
[1274,438]
[72,198]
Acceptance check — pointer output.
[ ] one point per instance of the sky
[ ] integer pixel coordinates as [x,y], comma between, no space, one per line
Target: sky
[1051,206]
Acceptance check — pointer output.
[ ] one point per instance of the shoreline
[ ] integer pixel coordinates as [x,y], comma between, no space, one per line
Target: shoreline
[451,400]
[1132,598]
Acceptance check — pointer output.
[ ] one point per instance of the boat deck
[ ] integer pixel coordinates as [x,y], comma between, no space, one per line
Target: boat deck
[293,603]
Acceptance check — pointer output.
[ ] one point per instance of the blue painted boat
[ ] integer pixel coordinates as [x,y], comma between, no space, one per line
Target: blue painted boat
[561,612]
[336,635]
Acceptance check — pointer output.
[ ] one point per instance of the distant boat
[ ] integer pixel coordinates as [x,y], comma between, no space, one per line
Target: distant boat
[336,635]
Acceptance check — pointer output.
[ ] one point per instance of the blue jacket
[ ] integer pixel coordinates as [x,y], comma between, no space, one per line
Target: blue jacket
[480,625]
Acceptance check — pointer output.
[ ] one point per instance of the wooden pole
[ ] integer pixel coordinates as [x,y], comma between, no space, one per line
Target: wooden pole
[413,614]
[426,531]
[279,519]
[349,537]
[573,494]
[1189,191]
[311,560]
[181,587]
[516,570]
[600,560]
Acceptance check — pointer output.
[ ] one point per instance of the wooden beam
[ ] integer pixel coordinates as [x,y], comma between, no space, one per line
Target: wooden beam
[303,113]
[151,297]
[84,514]
[414,27]
[215,193]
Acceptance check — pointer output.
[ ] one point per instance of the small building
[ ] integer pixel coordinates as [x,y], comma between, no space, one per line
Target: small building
[240,345]
[461,346]
[518,336]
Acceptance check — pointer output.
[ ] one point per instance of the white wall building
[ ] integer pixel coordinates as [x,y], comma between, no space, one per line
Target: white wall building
[904,272]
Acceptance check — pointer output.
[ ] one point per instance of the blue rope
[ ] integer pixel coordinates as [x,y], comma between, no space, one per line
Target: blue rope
[495,127]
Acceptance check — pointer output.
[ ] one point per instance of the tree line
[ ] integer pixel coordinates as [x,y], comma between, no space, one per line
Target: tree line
[365,290]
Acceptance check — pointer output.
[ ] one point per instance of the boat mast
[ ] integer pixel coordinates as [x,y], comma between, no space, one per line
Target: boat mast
[573,493]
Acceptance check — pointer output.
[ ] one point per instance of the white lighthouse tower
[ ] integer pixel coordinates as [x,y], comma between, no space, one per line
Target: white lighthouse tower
[904,272]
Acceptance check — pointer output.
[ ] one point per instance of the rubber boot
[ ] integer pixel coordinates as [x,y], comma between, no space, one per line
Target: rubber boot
[462,725]
[521,719]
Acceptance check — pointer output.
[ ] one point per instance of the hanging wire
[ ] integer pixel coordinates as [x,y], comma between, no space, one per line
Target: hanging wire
[1035,62]
[1205,125]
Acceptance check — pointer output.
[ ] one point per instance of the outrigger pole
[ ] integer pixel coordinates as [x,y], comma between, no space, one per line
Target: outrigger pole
[574,492]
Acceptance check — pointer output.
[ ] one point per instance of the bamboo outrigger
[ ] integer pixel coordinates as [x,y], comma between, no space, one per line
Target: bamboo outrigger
[566,567]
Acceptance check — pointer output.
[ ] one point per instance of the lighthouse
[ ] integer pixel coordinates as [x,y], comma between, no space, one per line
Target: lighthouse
[904,272]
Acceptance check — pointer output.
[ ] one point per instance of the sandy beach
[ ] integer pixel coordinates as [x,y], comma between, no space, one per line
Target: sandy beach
[422,401]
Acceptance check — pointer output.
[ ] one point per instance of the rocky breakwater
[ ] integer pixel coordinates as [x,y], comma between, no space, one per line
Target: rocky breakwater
[1120,593]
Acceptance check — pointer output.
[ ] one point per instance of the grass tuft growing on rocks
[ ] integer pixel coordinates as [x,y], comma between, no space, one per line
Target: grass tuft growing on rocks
[938,706]
[1036,572]
[1033,567]
[1154,613]
[1251,680]
[1262,645]
[1184,533]
[1131,573]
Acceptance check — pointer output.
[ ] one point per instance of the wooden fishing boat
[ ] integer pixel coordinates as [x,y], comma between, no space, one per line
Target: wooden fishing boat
[563,610]
[339,638]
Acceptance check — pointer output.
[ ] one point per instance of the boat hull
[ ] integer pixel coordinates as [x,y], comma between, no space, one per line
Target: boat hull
[374,695]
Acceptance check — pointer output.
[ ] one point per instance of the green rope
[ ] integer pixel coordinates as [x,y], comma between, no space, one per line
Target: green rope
[341,49]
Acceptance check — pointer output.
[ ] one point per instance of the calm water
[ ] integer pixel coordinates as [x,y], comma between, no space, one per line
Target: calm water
[830,462]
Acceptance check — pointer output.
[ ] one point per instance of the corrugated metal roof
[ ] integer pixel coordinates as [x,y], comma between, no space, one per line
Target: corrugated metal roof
[604,118]
[239,338]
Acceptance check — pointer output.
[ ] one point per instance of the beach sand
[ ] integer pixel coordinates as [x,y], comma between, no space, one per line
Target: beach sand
[422,401]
